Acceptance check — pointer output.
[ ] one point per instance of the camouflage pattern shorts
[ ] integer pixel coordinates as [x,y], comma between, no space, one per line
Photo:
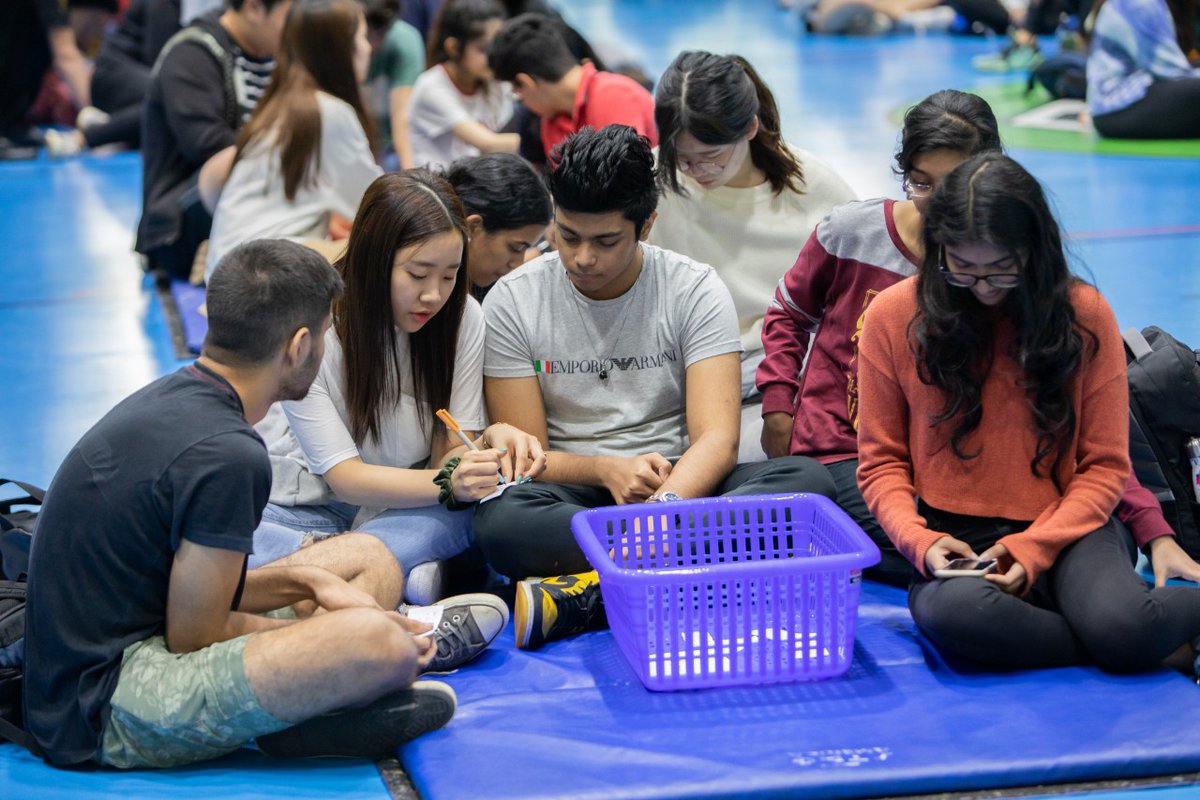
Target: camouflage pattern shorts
[177,708]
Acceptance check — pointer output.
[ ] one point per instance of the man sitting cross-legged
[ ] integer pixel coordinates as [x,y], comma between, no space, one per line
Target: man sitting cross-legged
[623,359]
[147,640]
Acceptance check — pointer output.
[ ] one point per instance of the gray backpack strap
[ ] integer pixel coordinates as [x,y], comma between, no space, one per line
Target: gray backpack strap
[1137,344]
[35,492]
[193,34]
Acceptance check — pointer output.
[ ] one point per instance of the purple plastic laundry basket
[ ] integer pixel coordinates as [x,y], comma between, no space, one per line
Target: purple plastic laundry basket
[725,591]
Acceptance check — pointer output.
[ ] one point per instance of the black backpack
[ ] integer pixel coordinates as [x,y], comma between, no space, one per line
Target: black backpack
[1164,412]
[16,535]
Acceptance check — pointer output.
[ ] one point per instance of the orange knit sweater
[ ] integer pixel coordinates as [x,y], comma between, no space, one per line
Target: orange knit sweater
[903,456]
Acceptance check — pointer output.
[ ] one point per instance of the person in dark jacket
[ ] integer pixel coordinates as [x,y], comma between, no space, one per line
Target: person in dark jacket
[206,83]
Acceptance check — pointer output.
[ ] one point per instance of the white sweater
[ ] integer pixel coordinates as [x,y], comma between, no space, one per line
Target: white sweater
[751,237]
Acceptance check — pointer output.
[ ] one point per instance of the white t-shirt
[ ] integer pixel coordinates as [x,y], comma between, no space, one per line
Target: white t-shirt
[319,425]
[253,205]
[751,236]
[437,105]
[677,313]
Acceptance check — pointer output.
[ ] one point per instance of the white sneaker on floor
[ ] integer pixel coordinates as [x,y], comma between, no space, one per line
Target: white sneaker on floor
[89,116]
[464,626]
[63,144]
[425,584]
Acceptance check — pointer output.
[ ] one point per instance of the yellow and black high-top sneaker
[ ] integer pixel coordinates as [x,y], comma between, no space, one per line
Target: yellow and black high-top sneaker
[551,608]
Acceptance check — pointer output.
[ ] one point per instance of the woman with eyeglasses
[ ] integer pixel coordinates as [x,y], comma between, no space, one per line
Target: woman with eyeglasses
[734,194]
[994,426]
[810,331]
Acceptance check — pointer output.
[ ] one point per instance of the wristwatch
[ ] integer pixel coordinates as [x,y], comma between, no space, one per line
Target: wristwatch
[663,497]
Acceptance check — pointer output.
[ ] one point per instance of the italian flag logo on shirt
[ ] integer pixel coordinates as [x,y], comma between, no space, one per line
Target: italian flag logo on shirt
[543,366]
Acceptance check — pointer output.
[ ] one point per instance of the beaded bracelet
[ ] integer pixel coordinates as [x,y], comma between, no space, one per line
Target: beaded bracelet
[446,490]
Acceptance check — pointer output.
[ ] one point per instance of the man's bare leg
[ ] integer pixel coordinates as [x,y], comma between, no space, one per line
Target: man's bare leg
[360,559]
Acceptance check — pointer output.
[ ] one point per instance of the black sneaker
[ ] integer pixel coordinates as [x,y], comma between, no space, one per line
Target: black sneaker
[552,608]
[374,731]
[469,623]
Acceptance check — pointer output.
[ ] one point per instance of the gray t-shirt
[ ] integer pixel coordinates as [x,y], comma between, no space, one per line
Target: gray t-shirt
[678,312]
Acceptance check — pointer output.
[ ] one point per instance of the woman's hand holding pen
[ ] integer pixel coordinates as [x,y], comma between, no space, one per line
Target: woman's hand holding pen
[477,474]
[522,457]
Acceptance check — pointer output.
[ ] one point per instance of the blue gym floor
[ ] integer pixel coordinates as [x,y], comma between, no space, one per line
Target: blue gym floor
[80,327]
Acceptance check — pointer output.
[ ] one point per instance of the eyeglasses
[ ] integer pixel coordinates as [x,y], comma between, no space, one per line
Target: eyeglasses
[914,189]
[1002,280]
[705,168]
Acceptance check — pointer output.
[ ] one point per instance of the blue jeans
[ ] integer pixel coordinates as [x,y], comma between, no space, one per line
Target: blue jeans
[414,535]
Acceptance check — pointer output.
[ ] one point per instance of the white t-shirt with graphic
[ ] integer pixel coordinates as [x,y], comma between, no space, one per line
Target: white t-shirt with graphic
[678,312]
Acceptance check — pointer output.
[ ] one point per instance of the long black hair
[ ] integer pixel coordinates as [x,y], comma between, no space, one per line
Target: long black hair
[716,99]
[398,210]
[991,198]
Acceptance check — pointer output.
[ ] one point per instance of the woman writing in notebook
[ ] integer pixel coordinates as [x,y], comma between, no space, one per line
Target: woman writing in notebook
[364,449]
[993,404]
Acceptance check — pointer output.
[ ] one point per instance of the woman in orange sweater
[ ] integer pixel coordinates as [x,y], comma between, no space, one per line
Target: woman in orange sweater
[994,423]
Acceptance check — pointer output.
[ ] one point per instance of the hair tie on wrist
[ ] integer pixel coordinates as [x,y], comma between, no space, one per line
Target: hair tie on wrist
[445,490]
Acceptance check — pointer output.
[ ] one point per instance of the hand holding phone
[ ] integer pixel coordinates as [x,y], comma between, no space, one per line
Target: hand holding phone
[966,567]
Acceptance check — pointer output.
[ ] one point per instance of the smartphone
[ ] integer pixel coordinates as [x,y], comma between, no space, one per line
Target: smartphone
[964,567]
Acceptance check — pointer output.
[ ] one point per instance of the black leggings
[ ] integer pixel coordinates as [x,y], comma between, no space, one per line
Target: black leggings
[893,567]
[24,58]
[119,89]
[1170,110]
[527,531]
[1041,18]
[1089,607]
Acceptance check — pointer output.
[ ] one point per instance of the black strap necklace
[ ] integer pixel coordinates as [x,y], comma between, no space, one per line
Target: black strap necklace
[595,337]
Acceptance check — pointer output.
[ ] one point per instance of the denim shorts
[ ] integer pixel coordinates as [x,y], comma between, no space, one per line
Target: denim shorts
[413,535]
[178,708]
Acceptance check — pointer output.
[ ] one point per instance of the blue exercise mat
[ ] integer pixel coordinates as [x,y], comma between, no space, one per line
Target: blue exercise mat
[245,774]
[573,720]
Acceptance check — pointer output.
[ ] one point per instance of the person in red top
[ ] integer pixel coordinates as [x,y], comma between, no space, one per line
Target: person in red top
[993,421]
[531,53]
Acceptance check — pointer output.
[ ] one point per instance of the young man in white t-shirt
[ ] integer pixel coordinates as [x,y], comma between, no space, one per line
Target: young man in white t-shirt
[623,358]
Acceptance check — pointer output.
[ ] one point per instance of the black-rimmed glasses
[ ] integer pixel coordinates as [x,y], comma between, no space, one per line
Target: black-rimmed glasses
[963,280]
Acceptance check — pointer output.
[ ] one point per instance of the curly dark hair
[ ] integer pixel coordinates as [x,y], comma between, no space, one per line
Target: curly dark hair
[991,198]
[611,169]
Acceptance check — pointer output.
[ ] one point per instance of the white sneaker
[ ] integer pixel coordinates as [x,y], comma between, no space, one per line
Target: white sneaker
[63,144]
[89,116]
[425,584]
[467,624]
